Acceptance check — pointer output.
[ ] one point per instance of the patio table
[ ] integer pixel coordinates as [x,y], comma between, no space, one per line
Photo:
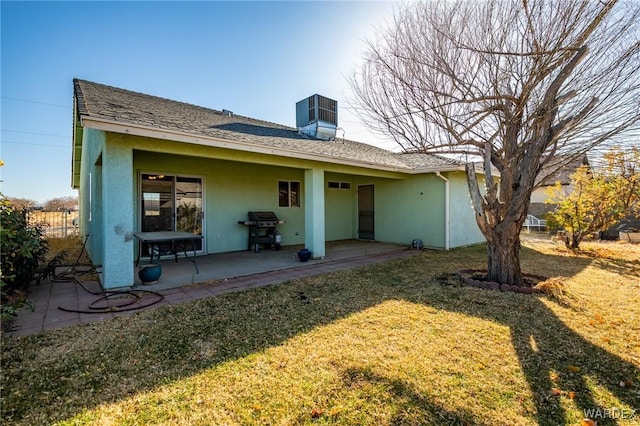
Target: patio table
[177,239]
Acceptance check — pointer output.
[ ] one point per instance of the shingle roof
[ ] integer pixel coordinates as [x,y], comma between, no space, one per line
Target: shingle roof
[427,161]
[137,109]
[560,169]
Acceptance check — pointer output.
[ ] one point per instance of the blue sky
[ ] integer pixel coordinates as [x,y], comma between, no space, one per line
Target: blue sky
[254,58]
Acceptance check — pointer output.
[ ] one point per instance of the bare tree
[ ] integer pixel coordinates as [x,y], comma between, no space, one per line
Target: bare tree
[61,203]
[21,203]
[509,82]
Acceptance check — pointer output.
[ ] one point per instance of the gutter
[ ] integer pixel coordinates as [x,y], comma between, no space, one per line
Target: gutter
[447,222]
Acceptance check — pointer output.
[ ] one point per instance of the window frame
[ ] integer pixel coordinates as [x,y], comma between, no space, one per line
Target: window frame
[292,194]
[334,184]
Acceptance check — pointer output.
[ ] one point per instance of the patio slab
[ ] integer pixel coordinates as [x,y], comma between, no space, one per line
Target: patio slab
[219,273]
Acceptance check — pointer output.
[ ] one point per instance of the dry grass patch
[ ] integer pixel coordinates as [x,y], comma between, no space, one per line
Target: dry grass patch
[385,344]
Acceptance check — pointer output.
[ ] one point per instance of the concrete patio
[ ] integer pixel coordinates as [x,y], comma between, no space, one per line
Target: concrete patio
[241,263]
[59,304]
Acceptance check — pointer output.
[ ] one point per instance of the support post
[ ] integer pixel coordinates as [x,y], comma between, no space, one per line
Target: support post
[314,235]
[117,215]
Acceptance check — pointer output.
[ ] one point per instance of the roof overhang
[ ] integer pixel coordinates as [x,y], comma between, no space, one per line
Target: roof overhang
[448,168]
[76,148]
[107,125]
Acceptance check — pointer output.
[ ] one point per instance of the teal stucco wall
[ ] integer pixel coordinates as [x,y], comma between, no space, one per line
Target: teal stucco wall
[464,230]
[314,218]
[118,219]
[340,207]
[90,194]
[412,208]
[232,189]
[106,205]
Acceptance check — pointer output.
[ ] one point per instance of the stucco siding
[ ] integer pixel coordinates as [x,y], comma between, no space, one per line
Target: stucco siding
[410,209]
[118,216]
[89,195]
[541,194]
[463,227]
[238,182]
[231,190]
[538,195]
[339,207]
[314,221]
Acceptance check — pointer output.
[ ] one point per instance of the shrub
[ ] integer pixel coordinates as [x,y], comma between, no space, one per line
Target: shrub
[23,250]
[600,196]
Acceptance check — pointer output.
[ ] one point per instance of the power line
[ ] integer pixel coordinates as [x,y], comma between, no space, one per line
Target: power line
[35,102]
[36,133]
[36,144]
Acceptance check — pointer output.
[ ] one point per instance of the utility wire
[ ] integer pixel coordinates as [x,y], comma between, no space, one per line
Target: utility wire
[35,102]
[32,143]
[36,133]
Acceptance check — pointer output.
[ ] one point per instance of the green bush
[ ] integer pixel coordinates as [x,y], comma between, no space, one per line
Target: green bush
[23,250]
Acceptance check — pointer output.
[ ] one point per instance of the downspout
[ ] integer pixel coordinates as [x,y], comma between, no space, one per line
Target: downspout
[447,236]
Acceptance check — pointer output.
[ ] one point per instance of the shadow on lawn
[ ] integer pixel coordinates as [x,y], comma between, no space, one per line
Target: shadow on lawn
[618,266]
[552,355]
[129,355]
[424,411]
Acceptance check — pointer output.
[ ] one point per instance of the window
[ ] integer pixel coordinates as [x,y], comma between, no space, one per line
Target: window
[288,194]
[339,185]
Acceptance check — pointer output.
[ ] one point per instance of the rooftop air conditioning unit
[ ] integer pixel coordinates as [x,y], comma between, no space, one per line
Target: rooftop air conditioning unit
[317,117]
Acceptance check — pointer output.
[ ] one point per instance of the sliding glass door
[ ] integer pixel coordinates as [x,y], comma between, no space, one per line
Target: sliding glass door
[171,203]
[188,200]
[157,203]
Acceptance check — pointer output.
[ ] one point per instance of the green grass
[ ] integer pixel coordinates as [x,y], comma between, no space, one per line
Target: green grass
[384,344]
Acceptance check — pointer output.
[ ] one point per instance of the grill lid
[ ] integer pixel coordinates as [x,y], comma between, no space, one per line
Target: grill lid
[262,216]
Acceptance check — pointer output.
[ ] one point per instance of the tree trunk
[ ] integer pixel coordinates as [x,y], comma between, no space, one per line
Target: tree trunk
[501,225]
[573,242]
[503,259]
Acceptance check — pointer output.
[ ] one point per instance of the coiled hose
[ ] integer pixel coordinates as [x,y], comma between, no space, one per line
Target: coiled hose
[109,301]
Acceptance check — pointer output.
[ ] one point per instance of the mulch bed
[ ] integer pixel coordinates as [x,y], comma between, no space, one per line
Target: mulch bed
[477,278]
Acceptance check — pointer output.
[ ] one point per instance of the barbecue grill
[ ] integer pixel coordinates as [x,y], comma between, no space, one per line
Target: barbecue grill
[262,229]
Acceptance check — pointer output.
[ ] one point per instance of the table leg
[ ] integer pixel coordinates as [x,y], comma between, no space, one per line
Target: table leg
[194,256]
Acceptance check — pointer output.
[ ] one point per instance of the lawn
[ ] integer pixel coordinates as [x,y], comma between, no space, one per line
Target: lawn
[394,343]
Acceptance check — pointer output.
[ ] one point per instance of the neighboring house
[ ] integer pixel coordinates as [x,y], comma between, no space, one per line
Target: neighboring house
[145,163]
[558,170]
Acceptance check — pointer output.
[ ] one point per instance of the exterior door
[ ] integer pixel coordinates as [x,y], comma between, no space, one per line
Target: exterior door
[189,212]
[158,206]
[366,219]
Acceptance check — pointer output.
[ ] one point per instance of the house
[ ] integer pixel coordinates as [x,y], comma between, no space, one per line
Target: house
[144,163]
[559,170]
